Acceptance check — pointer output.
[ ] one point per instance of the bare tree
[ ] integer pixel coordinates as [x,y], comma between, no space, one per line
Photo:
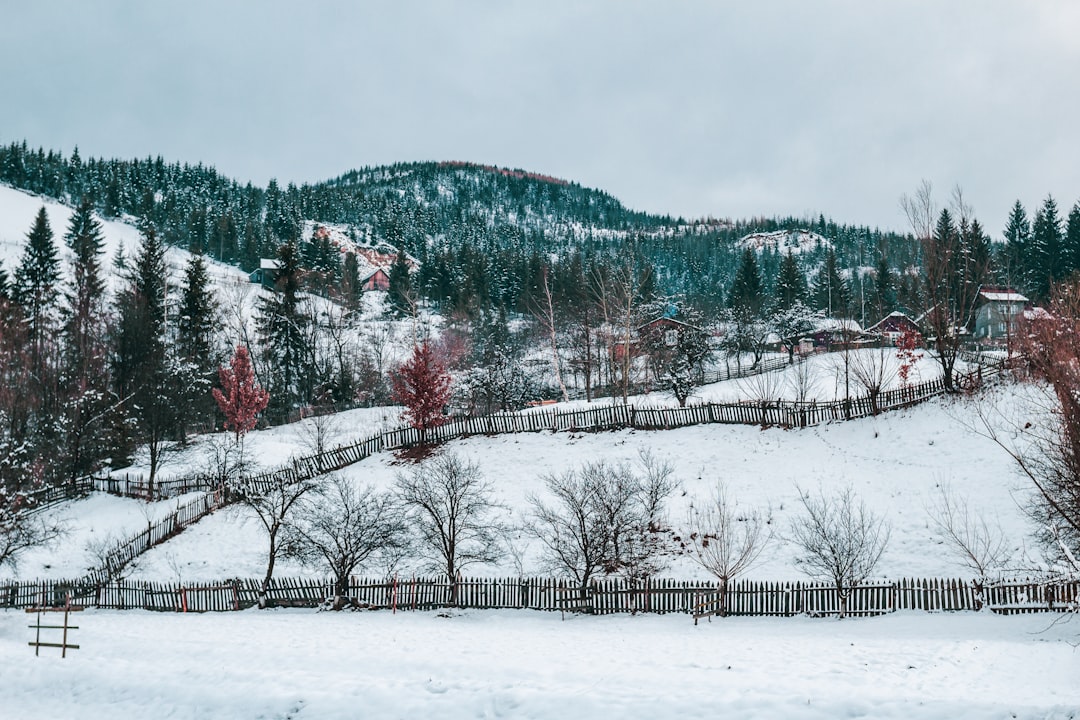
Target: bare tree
[1046,444]
[21,530]
[274,500]
[724,539]
[954,271]
[545,315]
[873,370]
[450,506]
[839,539]
[344,526]
[318,432]
[604,519]
[802,382]
[975,544]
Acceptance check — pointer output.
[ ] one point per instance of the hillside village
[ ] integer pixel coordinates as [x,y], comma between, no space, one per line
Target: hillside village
[127,485]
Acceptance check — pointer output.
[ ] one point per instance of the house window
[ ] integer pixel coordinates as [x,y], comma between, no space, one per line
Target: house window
[670,338]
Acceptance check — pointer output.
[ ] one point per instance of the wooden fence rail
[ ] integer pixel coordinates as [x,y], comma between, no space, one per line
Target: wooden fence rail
[607,596]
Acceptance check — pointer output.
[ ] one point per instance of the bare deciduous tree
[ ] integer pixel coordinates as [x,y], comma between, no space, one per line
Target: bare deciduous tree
[724,539]
[839,539]
[873,370]
[1046,443]
[344,526]
[604,519]
[450,506]
[976,544]
[273,501]
[802,381]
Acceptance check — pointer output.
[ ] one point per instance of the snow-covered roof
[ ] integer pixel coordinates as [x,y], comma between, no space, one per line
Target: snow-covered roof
[1002,295]
[269,264]
[829,324]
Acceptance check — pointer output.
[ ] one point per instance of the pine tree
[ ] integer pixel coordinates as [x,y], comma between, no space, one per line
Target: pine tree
[400,294]
[790,283]
[747,295]
[283,330]
[1046,249]
[884,288]
[1015,267]
[36,281]
[140,367]
[196,346]
[1072,240]
[84,371]
[423,386]
[831,292]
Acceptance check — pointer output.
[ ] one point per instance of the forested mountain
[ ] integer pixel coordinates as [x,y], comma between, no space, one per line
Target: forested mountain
[482,234]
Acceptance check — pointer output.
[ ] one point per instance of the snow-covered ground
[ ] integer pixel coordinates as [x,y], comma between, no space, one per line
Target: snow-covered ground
[520,664]
[92,524]
[895,462]
[18,210]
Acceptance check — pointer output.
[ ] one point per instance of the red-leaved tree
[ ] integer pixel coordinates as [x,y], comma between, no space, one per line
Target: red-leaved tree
[241,398]
[422,385]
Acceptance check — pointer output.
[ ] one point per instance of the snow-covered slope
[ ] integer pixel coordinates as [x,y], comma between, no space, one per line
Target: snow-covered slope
[18,210]
[783,241]
[895,462]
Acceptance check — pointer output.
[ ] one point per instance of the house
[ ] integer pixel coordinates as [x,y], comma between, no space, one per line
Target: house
[893,326]
[662,333]
[266,275]
[377,279]
[836,333]
[996,312]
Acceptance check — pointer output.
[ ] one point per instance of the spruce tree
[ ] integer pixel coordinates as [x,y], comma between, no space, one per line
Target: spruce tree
[1072,240]
[790,283]
[1015,267]
[1046,249]
[831,292]
[84,363]
[36,280]
[401,294]
[747,295]
[884,288]
[282,330]
[196,346]
[140,366]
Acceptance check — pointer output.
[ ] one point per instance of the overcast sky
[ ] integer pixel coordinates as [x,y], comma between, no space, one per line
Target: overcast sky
[687,108]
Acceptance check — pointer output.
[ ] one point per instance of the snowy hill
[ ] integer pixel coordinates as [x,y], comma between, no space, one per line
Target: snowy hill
[797,242]
[17,212]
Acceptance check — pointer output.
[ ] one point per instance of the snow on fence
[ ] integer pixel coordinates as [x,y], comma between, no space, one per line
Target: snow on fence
[603,597]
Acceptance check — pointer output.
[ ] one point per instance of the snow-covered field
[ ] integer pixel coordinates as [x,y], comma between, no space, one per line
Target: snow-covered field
[895,462]
[522,664]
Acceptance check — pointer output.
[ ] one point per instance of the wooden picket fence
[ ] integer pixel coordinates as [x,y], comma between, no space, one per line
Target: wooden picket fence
[602,597]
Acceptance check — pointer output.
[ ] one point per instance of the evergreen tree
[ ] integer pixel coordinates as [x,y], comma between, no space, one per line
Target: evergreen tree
[36,281]
[747,295]
[351,288]
[1014,267]
[831,292]
[196,346]
[140,366]
[883,295]
[400,294]
[1072,240]
[1048,265]
[790,283]
[283,330]
[84,371]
